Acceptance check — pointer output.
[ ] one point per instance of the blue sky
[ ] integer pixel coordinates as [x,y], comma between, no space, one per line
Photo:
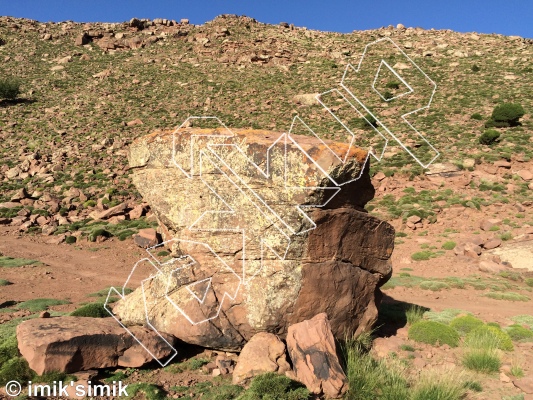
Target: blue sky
[509,17]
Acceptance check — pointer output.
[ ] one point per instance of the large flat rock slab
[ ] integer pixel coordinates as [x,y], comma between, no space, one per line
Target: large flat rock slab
[519,254]
[72,344]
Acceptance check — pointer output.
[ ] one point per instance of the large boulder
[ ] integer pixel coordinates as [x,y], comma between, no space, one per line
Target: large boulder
[265,230]
[72,344]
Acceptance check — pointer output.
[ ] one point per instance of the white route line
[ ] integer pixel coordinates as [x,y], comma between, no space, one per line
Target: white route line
[404,116]
[214,152]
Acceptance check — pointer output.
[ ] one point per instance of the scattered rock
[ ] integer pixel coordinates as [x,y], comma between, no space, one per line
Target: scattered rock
[525,174]
[306,99]
[224,364]
[379,176]
[265,352]
[443,169]
[137,212]
[312,350]
[146,238]
[82,40]
[400,66]
[382,347]
[502,164]
[118,209]
[490,267]
[487,224]
[524,384]
[10,204]
[64,60]
[414,219]
[136,23]
[102,74]
[134,122]
[504,378]
[469,163]
[492,243]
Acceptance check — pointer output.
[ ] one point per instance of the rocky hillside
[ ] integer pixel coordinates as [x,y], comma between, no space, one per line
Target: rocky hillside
[89,89]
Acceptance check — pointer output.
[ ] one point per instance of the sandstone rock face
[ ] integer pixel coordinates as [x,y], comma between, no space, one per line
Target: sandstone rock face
[265,230]
[72,344]
[312,350]
[265,352]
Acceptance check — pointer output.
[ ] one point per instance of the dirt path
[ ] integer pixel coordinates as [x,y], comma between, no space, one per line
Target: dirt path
[67,272]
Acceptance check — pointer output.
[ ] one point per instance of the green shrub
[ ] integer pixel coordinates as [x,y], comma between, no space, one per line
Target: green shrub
[523,319]
[435,385]
[517,371]
[489,137]
[16,369]
[94,310]
[508,113]
[475,68]
[387,95]
[414,314]
[370,379]
[197,363]
[189,365]
[151,391]
[224,392]
[433,333]
[393,85]
[485,361]
[8,349]
[10,262]
[465,324]
[422,255]
[506,236]
[274,386]
[510,296]
[450,245]
[518,332]
[473,386]
[433,285]
[529,281]
[98,232]
[476,116]
[70,239]
[9,88]
[487,337]
[371,122]
[407,347]
[89,203]
[445,316]
[3,282]
[54,376]
[36,305]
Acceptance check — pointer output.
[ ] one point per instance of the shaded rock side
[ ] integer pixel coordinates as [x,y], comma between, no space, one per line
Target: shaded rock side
[312,350]
[206,187]
[72,344]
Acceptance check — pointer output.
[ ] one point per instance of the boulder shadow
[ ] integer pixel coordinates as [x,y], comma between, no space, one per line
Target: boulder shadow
[392,315]
[13,102]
